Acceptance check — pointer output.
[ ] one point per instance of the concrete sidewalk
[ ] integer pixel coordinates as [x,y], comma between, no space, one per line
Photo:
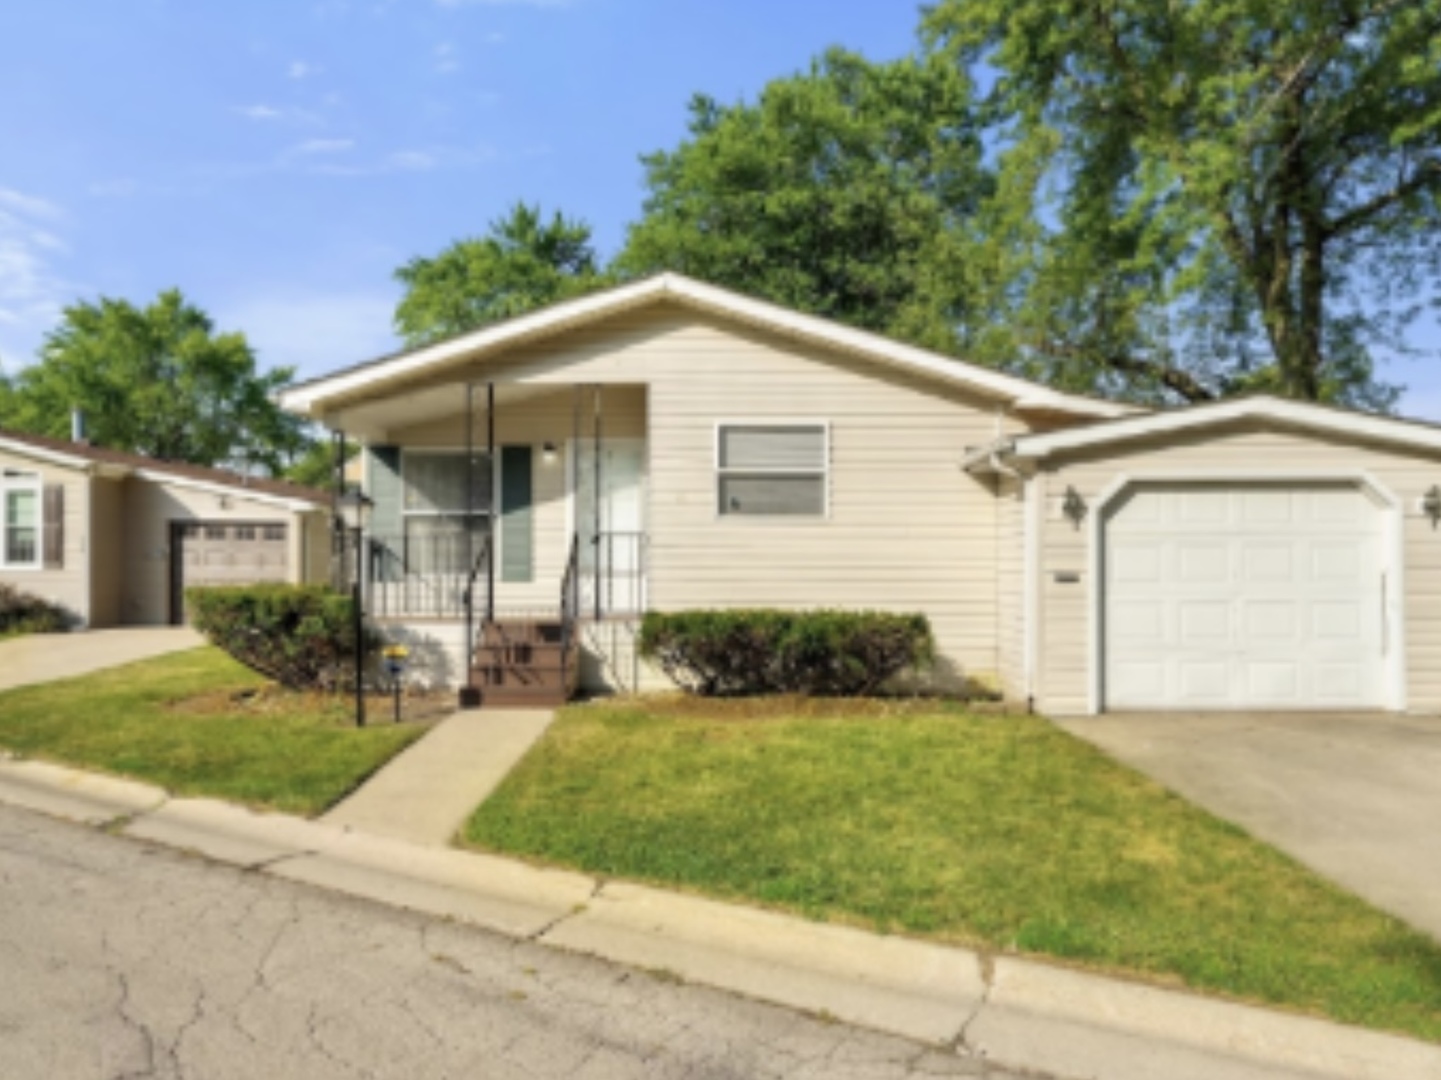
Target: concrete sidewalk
[1016,1012]
[39,658]
[424,794]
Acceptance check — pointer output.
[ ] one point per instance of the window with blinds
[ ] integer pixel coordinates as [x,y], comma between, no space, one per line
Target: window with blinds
[772,470]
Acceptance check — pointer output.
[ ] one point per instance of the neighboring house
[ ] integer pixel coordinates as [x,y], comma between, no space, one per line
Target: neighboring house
[668,444]
[115,538]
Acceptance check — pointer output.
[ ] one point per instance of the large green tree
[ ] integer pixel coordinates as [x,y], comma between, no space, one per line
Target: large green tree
[825,194]
[156,380]
[523,262]
[1202,197]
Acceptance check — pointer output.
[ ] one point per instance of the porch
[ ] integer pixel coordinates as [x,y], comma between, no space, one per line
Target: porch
[508,539]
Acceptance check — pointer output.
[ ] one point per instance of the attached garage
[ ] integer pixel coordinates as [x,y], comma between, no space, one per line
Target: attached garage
[1257,554]
[1244,596]
[226,553]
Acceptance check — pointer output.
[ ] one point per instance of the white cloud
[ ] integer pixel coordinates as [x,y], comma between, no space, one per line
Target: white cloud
[446,62]
[299,69]
[32,291]
[313,331]
[324,146]
[268,113]
[413,160]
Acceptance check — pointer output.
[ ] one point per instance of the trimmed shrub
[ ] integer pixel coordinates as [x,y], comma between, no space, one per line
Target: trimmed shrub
[302,636]
[22,613]
[839,653]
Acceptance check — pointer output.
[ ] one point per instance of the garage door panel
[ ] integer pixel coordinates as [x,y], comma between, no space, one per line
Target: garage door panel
[1201,623]
[1200,562]
[1243,596]
[218,553]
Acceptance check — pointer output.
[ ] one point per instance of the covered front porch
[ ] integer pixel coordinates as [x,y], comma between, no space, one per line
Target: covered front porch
[508,539]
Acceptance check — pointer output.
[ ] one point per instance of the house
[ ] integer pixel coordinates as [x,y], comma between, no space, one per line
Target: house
[116,538]
[667,445]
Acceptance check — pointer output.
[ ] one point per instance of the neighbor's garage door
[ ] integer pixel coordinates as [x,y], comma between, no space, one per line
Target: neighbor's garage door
[227,553]
[1228,597]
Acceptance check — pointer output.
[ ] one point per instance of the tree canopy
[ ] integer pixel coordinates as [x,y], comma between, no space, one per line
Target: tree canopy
[156,380]
[825,194]
[523,262]
[1202,198]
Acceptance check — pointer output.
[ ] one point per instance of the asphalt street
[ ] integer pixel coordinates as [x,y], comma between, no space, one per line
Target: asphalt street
[123,960]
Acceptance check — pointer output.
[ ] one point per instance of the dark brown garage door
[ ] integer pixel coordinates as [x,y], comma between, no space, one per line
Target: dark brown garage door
[225,553]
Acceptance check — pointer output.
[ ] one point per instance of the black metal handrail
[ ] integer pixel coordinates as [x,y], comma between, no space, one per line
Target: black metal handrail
[618,572]
[418,576]
[569,606]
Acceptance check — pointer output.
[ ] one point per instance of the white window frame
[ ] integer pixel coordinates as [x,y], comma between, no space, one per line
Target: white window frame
[12,481]
[824,472]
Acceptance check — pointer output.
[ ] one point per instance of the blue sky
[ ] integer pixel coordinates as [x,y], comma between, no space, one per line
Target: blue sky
[278,159]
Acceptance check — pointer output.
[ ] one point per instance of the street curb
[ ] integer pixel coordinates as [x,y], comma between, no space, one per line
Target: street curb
[87,798]
[910,988]
[1021,1013]
[1051,1018]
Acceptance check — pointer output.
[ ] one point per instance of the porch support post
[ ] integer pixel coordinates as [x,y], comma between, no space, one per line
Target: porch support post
[596,390]
[470,693]
[338,547]
[490,515]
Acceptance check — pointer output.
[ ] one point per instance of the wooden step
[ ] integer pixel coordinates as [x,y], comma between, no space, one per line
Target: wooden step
[522,632]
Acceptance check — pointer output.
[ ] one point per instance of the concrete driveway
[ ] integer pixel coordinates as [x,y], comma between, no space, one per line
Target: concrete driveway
[1355,797]
[39,658]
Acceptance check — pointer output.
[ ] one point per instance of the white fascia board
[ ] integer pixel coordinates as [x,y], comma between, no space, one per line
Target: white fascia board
[1300,414]
[235,491]
[40,453]
[309,399]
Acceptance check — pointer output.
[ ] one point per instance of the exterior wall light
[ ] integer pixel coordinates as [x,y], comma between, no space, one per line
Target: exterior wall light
[1431,505]
[548,450]
[1073,506]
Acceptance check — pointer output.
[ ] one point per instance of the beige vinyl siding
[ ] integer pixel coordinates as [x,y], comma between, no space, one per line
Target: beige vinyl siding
[907,530]
[1010,586]
[1229,453]
[106,555]
[68,586]
[547,416]
[150,508]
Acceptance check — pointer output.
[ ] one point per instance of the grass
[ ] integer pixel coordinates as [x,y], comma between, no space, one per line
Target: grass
[1002,833]
[198,723]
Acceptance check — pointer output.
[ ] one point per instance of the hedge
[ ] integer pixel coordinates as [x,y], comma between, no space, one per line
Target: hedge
[22,613]
[302,636]
[840,653]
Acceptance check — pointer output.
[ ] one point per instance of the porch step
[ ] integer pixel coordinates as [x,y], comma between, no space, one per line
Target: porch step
[522,662]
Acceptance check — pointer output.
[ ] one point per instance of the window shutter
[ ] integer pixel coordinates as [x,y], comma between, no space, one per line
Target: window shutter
[53,525]
[517,527]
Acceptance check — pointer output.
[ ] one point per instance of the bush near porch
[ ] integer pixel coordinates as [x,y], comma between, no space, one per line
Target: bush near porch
[919,818]
[302,636]
[841,653]
[198,723]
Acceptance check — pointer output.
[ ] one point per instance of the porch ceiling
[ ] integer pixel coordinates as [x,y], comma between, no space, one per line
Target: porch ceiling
[372,421]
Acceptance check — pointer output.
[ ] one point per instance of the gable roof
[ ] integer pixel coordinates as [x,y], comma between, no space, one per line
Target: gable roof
[311,397]
[1308,415]
[86,457]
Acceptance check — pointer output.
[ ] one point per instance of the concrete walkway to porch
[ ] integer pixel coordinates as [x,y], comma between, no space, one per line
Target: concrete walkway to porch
[425,794]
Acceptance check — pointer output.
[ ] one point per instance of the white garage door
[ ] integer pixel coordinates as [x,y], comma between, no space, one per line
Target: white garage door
[1228,597]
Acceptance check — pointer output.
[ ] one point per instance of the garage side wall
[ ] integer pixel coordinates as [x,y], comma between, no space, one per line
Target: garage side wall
[69,584]
[1254,452]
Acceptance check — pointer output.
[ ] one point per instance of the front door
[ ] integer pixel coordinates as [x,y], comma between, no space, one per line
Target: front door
[612,546]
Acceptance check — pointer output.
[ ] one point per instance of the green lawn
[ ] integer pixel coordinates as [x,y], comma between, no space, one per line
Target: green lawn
[198,723]
[1002,833]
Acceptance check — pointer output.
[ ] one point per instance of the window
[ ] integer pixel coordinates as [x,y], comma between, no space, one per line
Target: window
[20,516]
[274,533]
[437,509]
[245,532]
[772,470]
